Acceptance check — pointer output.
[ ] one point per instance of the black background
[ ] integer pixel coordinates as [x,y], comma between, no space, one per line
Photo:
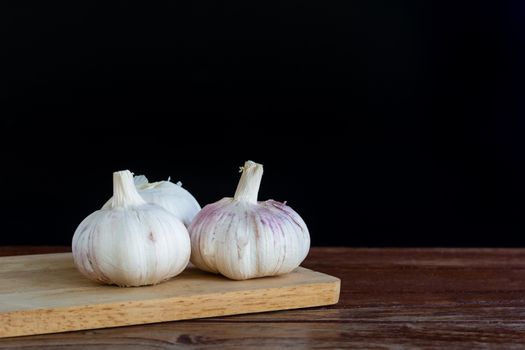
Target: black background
[383,123]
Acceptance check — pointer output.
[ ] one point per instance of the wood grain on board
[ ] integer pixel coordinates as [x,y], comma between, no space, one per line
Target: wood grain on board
[45,293]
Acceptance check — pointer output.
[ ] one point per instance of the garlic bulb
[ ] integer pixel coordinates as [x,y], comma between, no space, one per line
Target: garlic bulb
[131,242]
[242,238]
[168,195]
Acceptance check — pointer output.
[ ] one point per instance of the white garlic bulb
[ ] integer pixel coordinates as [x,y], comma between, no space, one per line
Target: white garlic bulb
[130,243]
[241,238]
[168,195]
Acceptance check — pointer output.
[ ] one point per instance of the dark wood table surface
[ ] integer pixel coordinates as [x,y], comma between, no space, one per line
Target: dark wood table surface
[390,299]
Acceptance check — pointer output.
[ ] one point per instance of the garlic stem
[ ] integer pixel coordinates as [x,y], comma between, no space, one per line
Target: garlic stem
[124,192]
[248,187]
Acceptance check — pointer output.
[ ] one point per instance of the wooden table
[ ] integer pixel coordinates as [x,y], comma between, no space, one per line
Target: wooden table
[390,299]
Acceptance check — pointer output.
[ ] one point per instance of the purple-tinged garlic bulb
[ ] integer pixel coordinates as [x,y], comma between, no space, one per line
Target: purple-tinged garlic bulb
[130,242]
[241,238]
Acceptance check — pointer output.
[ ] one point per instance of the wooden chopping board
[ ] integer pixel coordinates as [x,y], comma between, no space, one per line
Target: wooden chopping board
[46,294]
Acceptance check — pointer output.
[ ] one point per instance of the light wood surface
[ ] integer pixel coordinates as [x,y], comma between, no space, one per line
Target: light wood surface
[45,294]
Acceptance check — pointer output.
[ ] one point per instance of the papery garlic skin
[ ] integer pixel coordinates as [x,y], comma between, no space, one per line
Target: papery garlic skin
[172,197]
[130,243]
[241,238]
